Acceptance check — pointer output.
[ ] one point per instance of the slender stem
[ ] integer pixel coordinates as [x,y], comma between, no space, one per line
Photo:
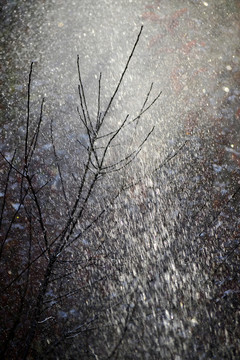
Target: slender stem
[28,115]
[122,76]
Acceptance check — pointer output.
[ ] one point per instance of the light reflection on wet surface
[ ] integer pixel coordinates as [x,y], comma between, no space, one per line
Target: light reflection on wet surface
[190,50]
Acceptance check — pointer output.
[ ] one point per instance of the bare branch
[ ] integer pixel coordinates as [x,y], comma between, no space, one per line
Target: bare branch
[28,114]
[58,166]
[82,97]
[111,139]
[122,76]
[6,188]
[98,122]
[33,143]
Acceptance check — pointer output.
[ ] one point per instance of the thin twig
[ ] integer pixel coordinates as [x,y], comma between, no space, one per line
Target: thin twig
[28,114]
[58,166]
[33,143]
[99,103]
[82,96]
[122,76]
[6,188]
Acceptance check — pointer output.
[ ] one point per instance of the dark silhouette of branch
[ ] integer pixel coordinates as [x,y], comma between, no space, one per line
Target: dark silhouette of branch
[6,190]
[122,76]
[58,166]
[28,114]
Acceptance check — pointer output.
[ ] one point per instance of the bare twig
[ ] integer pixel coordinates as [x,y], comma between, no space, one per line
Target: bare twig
[33,143]
[58,166]
[28,114]
[122,76]
[6,187]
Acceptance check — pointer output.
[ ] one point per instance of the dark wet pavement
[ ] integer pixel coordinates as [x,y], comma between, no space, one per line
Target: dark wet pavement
[190,50]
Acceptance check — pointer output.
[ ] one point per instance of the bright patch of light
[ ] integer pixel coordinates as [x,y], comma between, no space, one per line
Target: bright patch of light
[226,89]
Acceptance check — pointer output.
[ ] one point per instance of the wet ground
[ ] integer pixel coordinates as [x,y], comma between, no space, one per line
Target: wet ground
[190,50]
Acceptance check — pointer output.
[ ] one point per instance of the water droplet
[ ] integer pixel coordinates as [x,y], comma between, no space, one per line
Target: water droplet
[226,89]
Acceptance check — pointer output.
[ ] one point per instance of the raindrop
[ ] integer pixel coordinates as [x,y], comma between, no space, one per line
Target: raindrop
[226,89]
